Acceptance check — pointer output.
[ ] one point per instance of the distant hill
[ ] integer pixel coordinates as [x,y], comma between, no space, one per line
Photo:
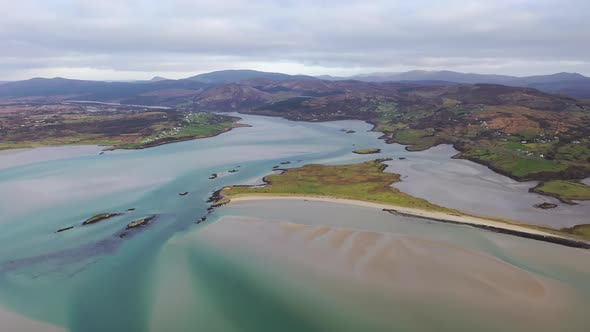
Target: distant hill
[233,76]
[572,84]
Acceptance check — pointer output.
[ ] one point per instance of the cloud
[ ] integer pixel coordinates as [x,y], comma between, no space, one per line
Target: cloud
[136,39]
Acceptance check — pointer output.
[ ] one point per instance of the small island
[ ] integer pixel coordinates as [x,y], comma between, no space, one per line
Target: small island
[367,151]
[99,217]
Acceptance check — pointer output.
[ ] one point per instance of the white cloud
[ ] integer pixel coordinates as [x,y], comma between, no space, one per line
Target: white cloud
[136,39]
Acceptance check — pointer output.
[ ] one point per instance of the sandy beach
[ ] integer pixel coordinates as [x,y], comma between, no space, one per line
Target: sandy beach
[11,322]
[463,219]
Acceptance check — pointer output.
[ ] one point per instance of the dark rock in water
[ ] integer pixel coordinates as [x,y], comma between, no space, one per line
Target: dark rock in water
[130,209]
[233,171]
[275,167]
[101,153]
[215,196]
[64,229]
[140,222]
[201,219]
[546,206]
[402,158]
[213,176]
[99,217]
[285,163]
[350,131]
[184,193]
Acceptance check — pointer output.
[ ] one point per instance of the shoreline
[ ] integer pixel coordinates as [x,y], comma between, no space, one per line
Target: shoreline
[164,141]
[458,219]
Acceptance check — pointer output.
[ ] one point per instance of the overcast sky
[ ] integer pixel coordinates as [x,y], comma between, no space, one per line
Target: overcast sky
[137,39]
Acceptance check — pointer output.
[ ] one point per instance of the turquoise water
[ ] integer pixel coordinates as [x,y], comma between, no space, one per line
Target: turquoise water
[91,279]
[78,277]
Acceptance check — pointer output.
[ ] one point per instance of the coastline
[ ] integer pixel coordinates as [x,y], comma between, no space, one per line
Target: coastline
[459,219]
[179,139]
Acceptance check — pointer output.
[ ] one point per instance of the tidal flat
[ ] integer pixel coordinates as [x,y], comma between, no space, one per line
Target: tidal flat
[328,266]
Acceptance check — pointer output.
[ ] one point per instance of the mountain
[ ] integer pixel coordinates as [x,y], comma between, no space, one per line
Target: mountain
[232,76]
[158,78]
[572,84]
[58,89]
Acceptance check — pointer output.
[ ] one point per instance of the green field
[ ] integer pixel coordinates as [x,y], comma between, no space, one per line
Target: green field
[516,165]
[566,191]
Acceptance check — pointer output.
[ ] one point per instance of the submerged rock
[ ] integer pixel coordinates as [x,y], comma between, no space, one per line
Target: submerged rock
[64,229]
[213,176]
[546,206]
[184,193]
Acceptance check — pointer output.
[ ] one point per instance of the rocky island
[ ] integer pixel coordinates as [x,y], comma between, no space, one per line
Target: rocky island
[140,222]
[99,217]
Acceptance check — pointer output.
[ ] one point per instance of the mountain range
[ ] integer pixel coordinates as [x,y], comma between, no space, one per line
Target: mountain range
[168,91]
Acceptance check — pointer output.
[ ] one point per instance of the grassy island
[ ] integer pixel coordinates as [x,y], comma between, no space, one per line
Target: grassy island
[367,151]
[565,191]
[365,182]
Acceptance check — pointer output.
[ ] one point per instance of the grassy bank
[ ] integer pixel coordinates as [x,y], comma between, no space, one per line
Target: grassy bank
[565,191]
[367,151]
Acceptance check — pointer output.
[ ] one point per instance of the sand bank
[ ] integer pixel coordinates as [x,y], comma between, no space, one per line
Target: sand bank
[457,218]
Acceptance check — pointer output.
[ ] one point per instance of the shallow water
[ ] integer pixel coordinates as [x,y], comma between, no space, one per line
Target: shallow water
[473,188]
[314,266]
[76,278]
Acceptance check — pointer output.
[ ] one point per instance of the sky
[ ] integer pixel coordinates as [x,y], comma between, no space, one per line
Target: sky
[139,39]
